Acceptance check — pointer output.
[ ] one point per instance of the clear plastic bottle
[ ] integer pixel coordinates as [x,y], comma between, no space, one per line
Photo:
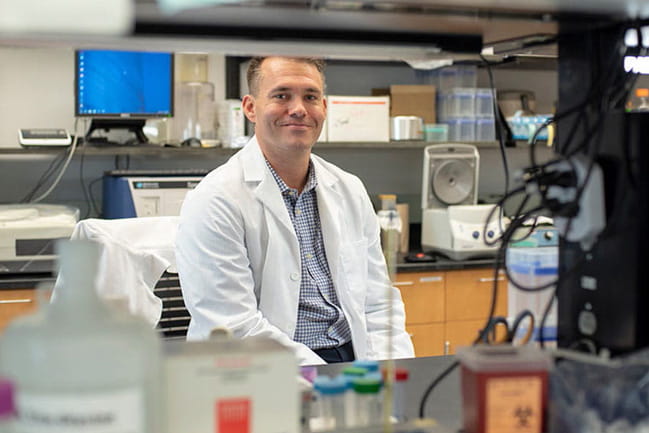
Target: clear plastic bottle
[369,402]
[79,367]
[391,227]
[330,394]
[350,374]
[399,394]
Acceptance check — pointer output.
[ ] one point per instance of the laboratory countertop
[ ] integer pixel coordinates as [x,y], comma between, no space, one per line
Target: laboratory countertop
[444,404]
[443,264]
[28,281]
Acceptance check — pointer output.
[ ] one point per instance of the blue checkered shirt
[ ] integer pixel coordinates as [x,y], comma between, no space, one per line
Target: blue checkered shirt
[320,320]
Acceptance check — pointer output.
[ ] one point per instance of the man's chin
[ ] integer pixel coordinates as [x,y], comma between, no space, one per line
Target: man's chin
[302,142]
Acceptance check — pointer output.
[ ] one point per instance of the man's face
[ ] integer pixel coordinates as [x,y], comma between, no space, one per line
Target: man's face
[289,107]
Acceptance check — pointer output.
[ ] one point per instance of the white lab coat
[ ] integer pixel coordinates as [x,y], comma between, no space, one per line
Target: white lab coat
[238,258]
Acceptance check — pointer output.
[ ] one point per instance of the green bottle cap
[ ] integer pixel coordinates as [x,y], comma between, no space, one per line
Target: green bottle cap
[367,385]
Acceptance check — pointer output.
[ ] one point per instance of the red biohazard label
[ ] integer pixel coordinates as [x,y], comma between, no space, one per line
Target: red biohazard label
[233,415]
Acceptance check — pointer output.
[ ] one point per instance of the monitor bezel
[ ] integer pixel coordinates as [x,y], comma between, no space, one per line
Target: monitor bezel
[124,115]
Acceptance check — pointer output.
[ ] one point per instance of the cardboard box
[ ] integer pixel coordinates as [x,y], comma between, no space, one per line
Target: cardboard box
[413,100]
[358,118]
[225,386]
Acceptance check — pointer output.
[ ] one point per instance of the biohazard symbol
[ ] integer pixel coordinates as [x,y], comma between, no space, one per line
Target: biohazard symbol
[523,415]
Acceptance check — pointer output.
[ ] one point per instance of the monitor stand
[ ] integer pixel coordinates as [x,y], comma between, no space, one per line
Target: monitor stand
[133,125]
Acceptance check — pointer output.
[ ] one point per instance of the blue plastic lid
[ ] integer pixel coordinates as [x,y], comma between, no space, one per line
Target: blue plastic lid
[366,364]
[330,386]
[374,376]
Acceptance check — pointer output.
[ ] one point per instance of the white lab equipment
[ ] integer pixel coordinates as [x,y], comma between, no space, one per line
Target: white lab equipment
[452,222]
[28,233]
[80,362]
[231,385]
[533,263]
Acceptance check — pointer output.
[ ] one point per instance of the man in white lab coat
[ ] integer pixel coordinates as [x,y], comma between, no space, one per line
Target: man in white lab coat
[278,242]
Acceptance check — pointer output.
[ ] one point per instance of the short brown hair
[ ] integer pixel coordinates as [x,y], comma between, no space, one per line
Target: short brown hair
[253,74]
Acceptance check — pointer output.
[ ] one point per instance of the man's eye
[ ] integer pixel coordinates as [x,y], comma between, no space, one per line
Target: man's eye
[312,98]
[279,96]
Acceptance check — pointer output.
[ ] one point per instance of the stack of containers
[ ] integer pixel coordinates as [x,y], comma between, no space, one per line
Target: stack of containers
[468,110]
[351,399]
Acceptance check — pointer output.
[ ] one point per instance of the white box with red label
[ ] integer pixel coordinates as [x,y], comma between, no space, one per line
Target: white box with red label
[358,118]
[231,386]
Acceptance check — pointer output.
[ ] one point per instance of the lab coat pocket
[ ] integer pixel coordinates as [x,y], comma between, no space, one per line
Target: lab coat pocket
[354,260]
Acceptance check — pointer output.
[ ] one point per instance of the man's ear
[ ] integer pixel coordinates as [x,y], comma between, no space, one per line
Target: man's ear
[248,105]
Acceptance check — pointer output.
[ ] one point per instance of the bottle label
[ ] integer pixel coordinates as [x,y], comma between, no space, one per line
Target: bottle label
[106,412]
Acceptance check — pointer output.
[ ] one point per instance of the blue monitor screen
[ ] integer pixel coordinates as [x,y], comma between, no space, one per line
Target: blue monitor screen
[123,84]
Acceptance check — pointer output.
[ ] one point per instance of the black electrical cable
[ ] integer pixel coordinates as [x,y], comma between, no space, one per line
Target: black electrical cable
[96,209]
[51,169]
[86,196]
[434,384]
[501,139]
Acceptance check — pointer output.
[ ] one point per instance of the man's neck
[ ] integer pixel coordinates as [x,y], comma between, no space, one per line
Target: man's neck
[293,170]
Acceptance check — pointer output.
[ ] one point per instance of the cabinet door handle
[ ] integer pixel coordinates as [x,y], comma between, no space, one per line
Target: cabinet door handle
[447,347]
[16,301]
[403,283]
[491,279]
[431,279]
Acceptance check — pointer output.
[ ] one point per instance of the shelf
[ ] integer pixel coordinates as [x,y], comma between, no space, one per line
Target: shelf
[183,152]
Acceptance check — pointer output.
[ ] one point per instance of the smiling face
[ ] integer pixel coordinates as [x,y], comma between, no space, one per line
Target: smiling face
[288,107]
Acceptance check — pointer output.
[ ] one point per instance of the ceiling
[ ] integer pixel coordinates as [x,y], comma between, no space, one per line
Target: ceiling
[426,30]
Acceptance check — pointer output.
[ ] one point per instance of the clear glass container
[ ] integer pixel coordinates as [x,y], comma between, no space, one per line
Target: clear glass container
[195,111]
[78,362]
[391,226]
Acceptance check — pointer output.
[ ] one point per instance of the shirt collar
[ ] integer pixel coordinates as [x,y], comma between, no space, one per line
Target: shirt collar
[311,181]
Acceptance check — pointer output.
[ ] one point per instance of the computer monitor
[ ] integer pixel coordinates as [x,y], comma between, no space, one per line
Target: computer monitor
[121,89]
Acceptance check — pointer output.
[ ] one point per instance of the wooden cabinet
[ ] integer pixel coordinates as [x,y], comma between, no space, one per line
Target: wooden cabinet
[14,303]
[428,339]
[469,294]
[447,309]
[423,296]
[468,301]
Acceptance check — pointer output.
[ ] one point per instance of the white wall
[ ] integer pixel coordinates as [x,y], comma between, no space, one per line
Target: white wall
[36,90]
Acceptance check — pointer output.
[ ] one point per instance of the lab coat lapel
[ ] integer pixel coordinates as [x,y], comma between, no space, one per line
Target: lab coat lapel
[330,210]
[267,191]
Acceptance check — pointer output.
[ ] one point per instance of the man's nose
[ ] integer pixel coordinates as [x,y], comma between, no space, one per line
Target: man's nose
[297,108]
